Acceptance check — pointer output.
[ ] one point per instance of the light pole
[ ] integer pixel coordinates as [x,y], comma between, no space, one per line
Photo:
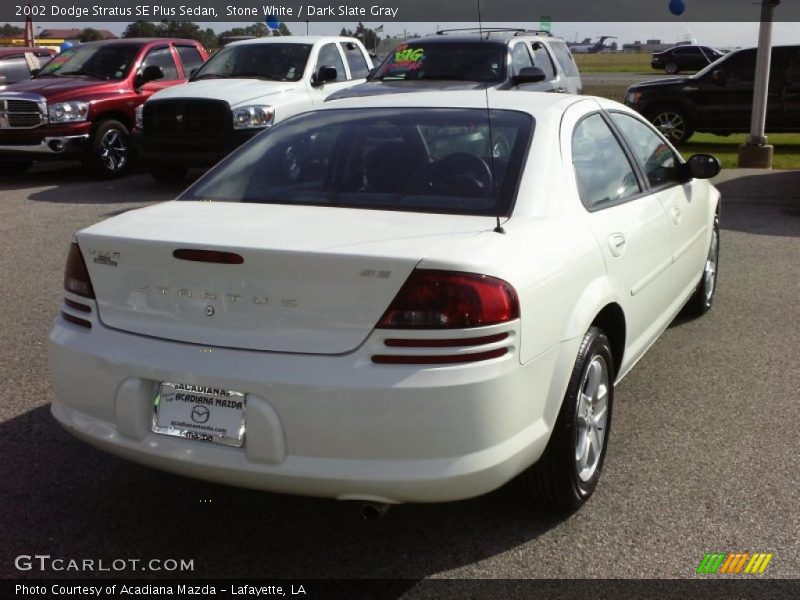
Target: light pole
[756,152]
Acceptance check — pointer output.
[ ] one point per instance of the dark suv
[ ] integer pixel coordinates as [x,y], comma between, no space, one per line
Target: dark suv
[685,58]
[466,59]
[719,99]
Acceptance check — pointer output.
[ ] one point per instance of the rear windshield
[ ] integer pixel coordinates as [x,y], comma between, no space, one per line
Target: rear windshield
[272,62]
[112,61]
[478,61]
[418,160]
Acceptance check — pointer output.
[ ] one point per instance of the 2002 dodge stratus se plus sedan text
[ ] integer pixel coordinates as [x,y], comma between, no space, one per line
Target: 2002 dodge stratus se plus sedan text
[390,300]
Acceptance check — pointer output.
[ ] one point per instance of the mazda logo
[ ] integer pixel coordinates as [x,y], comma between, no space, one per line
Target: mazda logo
[200,414]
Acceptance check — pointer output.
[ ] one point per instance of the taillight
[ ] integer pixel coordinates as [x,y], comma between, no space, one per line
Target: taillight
[76,276]
[432,299]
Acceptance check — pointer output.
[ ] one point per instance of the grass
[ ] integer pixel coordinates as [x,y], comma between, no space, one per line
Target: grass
[627,62]
[726,149]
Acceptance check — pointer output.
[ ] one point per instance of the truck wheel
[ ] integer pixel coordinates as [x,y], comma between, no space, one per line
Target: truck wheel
[567,473]
[10,168]
[672,123]
[671,68]
[109,149]
[168,173]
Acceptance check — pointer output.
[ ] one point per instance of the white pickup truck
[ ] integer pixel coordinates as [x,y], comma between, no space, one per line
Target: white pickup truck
[243,89]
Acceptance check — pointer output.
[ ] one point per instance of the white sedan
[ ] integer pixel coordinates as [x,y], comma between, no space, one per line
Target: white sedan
[404,298]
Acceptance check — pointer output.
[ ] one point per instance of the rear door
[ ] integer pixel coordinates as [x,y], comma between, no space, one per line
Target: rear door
[569,70]
[629,223]
[789,117]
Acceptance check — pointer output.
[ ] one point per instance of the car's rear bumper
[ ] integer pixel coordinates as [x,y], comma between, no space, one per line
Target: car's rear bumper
[331,426]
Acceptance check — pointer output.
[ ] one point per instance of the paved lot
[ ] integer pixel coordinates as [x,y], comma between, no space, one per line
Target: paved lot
[703,453]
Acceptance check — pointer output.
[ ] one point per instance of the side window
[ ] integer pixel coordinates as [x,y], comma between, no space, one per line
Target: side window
[359,68]
[602,169]
[541,58]
[564,58]
[162,57]
[14,69]
[656,157]
[520,58]
[329,57]
[190,57]
[742,66]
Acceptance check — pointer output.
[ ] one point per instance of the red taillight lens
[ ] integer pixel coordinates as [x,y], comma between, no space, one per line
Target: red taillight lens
[449,300]
[76,276]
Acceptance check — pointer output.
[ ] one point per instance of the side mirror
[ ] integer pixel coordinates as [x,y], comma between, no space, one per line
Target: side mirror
[529,75]
[704,166]
[325,74]
[149,74]
[719,76]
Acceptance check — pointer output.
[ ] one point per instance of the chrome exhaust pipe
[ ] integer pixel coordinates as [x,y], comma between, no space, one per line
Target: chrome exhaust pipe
[374,511]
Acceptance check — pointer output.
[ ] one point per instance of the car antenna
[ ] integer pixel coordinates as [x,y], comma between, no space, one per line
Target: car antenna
[499,228]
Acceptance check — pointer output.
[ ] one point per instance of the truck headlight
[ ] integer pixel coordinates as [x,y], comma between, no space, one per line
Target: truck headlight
[68,112]
[253,117]
[633,98]
[139,115]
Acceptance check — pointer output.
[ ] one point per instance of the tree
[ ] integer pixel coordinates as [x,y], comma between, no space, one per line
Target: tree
[141,29]
[90,35]
[9,30]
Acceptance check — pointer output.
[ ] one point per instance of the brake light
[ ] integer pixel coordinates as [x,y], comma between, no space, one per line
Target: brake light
[432,299]
[76,276]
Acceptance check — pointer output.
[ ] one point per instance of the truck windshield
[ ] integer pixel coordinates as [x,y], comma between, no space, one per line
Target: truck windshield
[273,62]
[110,62]
[440,160]
[470,61]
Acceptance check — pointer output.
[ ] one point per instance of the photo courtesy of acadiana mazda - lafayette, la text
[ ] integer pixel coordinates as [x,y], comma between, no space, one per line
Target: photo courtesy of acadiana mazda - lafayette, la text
[81,104]
[243,89]
[398,298]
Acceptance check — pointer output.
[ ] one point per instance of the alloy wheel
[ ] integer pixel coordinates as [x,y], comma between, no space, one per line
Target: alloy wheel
[672,125]
[592,416]
[114,150]
[710,272]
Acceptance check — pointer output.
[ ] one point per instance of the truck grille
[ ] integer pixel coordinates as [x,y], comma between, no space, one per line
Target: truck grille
[20,114]
[187,118]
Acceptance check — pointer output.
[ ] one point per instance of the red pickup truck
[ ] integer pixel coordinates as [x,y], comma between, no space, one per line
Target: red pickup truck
[81,105]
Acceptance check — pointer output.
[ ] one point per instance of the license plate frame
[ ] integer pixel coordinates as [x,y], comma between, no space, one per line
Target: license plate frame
[200,413]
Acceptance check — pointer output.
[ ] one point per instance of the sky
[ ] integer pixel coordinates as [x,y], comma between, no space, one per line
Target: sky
[714,34]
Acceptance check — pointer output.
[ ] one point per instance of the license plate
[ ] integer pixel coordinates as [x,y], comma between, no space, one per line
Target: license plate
[201,413]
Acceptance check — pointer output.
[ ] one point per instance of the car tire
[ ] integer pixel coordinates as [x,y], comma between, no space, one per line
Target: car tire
[673,123]
[671,68]
[703,298]
[11,168]
[110,153]
[565,477]
[168,173]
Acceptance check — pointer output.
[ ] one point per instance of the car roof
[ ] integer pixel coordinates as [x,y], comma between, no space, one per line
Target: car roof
[294,39]
[489,37]
[535,103]
[139,42]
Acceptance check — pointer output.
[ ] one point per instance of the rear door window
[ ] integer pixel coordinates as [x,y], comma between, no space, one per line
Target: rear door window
[603,172]
[359,68]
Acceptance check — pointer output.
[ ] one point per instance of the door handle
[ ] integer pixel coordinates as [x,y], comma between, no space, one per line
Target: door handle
[675,213]
[616,242]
